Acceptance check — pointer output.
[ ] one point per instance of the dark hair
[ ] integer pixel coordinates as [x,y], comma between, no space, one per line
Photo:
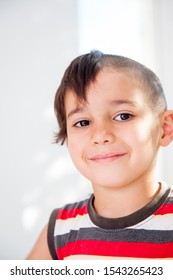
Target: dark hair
[84,69]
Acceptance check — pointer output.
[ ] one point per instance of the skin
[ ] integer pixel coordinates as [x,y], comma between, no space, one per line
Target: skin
[118,140]
[114,139]
[40,250]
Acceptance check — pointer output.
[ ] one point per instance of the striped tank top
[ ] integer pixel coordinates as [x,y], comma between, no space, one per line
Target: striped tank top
[77,232]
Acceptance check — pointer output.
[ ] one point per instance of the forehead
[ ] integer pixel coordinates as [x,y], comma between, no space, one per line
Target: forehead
[109,79]
[109,86]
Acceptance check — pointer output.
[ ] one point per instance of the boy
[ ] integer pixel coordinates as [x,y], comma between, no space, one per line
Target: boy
[113,117]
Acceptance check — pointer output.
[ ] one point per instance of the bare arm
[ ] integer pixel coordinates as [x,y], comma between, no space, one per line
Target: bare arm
[40,250]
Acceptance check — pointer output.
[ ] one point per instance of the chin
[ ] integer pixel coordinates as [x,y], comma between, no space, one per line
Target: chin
[108,184]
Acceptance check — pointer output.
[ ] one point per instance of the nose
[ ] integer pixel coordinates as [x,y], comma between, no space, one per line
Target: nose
[102,134]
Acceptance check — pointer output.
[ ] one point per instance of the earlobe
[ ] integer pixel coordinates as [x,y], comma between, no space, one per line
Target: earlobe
[167,127]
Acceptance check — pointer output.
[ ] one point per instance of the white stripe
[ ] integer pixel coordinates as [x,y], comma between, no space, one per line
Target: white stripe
[96,257]
[64,226]
[90,257]
[154,222]
[157,222]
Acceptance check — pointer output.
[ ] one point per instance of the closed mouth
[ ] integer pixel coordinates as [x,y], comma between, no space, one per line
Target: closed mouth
[106,157]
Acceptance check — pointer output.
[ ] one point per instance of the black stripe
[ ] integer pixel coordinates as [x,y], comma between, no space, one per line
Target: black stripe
[51,225]
[50,234]
[169,200]
[128,235]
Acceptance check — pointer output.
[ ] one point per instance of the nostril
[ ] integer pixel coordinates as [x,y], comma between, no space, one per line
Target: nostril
[103,135]
[102,142]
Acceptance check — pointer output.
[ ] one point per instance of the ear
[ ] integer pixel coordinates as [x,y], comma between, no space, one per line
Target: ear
[167,128]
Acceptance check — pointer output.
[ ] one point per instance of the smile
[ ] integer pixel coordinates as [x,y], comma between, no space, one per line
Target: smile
[106,158]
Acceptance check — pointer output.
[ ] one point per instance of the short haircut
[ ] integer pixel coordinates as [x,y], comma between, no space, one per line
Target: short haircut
[84,69]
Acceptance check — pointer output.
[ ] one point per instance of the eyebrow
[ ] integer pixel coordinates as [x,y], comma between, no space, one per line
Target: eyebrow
[124,101]
[80,109]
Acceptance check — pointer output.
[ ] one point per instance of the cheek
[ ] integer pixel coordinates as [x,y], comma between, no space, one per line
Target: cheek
[76,141]
[75,149]
[146,140]
[73,142]
[141,139]
[144,131]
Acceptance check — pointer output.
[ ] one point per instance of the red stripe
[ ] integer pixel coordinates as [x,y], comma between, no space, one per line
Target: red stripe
[71,213]
[118,249]
[165,209]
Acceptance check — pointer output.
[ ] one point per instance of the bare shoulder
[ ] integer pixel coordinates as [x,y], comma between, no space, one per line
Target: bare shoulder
[40,250]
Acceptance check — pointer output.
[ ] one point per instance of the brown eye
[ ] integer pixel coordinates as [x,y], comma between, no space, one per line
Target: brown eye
[82,123]
[123,117]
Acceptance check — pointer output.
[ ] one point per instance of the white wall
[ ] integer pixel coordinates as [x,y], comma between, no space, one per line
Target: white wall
[38,40]
[163,46]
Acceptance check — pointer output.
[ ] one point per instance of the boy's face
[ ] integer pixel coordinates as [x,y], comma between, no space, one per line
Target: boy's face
[114,137]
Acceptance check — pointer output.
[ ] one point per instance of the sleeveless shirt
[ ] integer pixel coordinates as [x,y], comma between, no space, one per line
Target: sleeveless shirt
[75,231]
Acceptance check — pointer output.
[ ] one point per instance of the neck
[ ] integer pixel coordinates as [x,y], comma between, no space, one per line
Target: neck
[120,202]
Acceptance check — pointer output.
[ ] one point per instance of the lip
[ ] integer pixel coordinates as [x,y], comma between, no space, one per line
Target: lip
[103,158]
